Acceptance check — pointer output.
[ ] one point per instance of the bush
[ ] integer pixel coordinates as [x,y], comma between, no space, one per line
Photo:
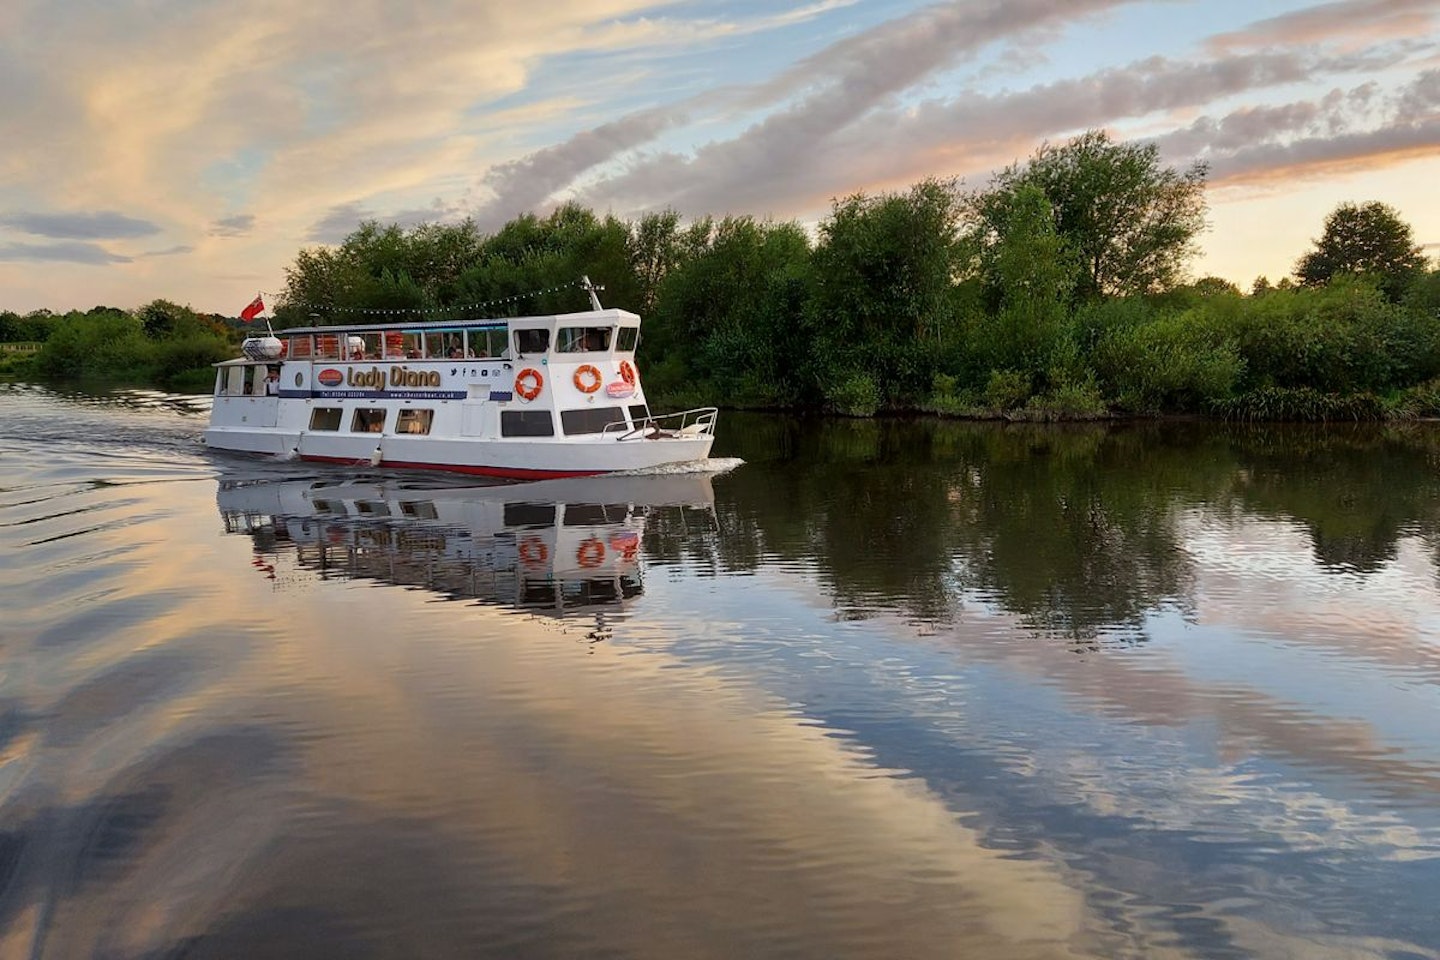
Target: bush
[1175,363]
[1344,338]
[1007,389]
[1302,404]
[854,395]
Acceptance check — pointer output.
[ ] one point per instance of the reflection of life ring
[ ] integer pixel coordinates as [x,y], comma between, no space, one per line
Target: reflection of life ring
[627,372]
[532,377]
[587,378]
[590,553]
[626,544]
[533,553]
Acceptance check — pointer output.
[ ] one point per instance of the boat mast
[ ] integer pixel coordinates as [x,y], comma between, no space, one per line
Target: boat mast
[591,289]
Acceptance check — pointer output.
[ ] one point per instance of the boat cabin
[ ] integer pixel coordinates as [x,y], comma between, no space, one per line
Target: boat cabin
[564,375]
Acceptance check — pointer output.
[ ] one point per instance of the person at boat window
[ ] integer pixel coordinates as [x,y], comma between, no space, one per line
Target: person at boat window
[272,383]
[456,353]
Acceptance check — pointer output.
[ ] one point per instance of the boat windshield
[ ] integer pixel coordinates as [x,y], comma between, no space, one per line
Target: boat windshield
[532,341]
[583,339]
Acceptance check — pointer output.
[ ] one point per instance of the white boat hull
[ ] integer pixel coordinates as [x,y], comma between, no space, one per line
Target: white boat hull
[515,460]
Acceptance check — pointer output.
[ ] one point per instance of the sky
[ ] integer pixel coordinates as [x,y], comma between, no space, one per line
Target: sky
[189,149]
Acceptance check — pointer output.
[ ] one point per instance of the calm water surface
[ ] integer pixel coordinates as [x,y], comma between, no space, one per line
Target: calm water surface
[884,690]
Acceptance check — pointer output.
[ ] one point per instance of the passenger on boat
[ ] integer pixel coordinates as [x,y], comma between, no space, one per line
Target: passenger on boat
[272,383]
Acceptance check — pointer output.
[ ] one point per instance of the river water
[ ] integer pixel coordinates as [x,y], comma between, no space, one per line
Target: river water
[886,689]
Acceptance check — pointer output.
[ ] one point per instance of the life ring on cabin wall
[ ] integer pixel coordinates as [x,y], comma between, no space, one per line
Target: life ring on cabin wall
[591,553]
[627,372]
[528,383]
[587,378]
[533,552]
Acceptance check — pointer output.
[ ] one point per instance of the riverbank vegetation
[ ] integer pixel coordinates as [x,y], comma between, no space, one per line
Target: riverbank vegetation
[161,343]
[1057,291]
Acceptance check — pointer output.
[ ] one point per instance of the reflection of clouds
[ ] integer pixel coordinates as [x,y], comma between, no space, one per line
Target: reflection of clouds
[1237,804]
[363,762]
[1260,577]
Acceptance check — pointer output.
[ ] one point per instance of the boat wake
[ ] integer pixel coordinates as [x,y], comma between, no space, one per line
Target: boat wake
[714,466]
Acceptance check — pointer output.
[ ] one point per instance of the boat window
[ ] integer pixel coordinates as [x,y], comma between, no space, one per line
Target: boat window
[372,508]
[400,345]
[590,419]
[529,515]
[526,423]
[593,514]
[299,347]
[639,414]
[362,346]
[414,421]
[532,341]
[489,342]
[327,347]
[368,420]
[330,506]
[419,509]
[582,339]
[325,418]
[628,338]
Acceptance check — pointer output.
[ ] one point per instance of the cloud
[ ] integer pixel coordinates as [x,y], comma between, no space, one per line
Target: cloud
[1349,21]
[1316,156]
[521,185]
[769,168]
[338,223]
[70,252]
[236,226]
[767,164]
[1314,138]
[168,252]
[105,225]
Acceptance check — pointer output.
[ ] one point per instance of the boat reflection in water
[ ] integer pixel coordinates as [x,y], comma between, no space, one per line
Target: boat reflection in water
[555,547]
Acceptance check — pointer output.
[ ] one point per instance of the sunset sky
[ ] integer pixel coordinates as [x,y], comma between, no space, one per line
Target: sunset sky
[187,149]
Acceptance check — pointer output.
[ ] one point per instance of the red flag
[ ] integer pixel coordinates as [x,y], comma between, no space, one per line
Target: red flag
[257,307]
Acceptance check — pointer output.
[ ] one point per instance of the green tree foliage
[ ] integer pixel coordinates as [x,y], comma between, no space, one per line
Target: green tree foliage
[728,315]
[1027,275]
[30,328]
[885,270]
[160,342]
[1368,238]
[1130,220]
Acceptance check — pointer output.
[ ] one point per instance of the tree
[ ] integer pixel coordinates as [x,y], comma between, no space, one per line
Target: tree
[1367,238]
[1028,275]
[885,271]
[1130,221]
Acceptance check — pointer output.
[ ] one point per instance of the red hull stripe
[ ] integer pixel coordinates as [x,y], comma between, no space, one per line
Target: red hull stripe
[508,473]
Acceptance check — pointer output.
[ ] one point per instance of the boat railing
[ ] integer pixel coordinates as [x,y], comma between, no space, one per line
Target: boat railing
[698,422]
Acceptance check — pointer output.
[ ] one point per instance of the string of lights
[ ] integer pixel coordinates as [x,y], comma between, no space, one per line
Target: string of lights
[320,308]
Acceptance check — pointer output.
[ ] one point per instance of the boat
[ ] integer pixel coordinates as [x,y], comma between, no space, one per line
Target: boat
[552,547]
[521,398]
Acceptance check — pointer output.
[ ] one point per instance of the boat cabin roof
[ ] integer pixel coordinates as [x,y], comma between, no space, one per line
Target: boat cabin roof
[608,316]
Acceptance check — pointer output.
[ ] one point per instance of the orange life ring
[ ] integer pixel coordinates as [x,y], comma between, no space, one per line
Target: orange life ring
[627,372]
[587,378]
[590,553]
[532,391]
[533,553]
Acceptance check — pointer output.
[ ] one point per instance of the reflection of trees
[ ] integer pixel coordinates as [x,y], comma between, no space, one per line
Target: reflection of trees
[1075,529]
[1355,489]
